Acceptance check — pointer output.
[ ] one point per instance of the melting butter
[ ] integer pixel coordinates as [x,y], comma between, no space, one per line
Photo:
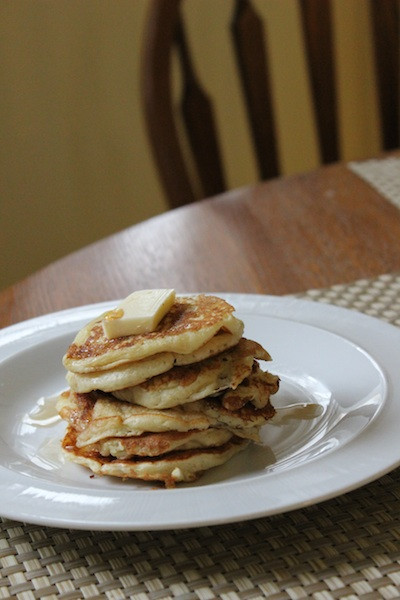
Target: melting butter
[140,312]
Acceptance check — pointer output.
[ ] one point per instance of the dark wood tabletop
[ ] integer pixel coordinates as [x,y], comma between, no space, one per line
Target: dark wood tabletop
[279,237]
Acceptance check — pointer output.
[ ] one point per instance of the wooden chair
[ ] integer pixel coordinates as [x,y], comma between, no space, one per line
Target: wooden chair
[165,31]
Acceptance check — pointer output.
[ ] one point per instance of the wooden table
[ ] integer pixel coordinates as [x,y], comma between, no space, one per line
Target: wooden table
[284,236]
[278,237]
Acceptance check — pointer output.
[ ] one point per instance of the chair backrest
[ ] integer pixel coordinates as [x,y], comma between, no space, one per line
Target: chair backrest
[165,32]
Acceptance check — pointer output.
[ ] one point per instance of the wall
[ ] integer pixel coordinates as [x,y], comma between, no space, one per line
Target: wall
[75,164]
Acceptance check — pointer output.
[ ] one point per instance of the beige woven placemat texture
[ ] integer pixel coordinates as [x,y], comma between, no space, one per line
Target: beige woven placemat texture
[346,548]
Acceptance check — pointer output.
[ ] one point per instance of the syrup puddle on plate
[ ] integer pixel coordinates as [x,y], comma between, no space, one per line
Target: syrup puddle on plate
[48,454]
[303,410]
[44,413]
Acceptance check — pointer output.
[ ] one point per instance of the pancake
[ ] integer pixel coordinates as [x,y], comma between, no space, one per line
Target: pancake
[221,341]
[240,420]
[156,444]
[184,384]
[133,373]
[98,417]
[256,390]
[122,376]
[171,468]
[190,323]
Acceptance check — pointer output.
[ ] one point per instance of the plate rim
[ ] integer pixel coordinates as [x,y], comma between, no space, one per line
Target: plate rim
[313,311]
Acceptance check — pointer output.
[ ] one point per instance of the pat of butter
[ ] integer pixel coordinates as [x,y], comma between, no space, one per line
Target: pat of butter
[140,312]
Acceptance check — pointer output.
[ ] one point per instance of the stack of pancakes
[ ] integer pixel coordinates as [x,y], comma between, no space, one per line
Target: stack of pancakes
[169,404]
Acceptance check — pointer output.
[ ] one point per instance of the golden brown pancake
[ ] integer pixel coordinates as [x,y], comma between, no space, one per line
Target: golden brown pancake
[97,417]
[221,341]
[170,468]
[239,420]
[156,444]
[181,385]
[190,323]
[255,389]
[122,376]
[133,373]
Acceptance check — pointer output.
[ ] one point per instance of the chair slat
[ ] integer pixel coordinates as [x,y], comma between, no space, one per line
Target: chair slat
[386,31]
[318,38]
[200,124]
[248,38]
[158,105]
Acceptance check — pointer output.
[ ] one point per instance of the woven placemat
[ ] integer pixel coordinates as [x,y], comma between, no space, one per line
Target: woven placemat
[346,548]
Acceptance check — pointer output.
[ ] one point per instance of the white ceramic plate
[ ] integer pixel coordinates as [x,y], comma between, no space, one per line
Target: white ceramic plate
[344,360]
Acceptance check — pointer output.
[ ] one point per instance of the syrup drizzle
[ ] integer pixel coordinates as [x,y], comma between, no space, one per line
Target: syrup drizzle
[301,410]
[44,413]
